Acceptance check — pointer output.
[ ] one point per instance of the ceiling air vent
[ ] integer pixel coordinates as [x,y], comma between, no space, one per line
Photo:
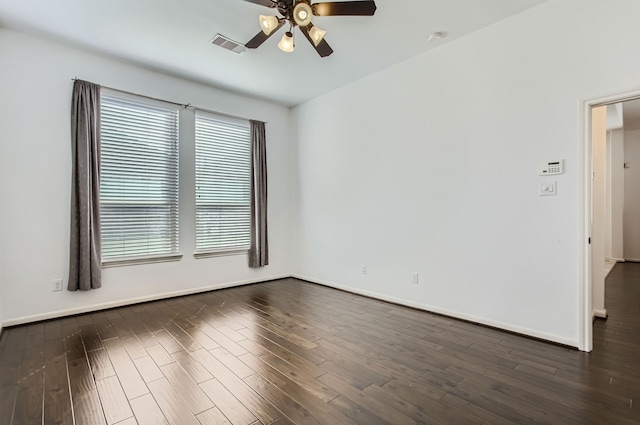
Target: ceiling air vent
[227,43]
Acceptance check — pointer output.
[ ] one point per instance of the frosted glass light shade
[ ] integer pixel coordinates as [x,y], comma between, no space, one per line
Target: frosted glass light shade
[268,23]
[317,34]
[286,44]
[302,14]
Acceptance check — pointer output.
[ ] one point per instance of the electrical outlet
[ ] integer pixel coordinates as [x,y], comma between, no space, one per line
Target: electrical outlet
[57,285]
[414,277]
[364,269]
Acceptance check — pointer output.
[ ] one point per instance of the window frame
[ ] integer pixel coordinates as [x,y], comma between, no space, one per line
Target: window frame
[165,193]
[243,177]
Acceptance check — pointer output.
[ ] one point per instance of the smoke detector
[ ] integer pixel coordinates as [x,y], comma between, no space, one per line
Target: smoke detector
[437,36]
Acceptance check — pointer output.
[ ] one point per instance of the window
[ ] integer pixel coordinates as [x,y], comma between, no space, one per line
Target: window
[139,178]
[223,184]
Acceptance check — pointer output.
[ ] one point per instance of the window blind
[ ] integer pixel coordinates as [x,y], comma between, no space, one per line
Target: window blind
[223,184]
[139,178]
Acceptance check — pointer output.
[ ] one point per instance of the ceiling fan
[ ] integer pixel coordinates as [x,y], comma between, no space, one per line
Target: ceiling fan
[298,13]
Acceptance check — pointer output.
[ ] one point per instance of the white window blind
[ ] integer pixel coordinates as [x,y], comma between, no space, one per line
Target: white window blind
[223,184]
[139,178]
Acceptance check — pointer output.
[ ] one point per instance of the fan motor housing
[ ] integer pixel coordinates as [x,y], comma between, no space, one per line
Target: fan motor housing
[285,7]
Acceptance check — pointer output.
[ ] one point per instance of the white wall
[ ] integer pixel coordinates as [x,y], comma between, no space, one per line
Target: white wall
[1,279]
[631,196]
[2,220]
[35,170]
[430,166]
[614,244]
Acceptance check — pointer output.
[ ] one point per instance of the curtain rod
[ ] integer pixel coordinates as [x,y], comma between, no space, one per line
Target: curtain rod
[187,105]
[220,113]
[136,94]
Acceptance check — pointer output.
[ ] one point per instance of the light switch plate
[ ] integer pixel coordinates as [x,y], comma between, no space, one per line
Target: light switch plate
[547,189]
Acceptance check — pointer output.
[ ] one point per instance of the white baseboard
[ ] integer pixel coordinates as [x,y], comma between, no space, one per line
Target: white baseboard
[425,307]
[602,314]
[617,260]
[121,303]
[450,313]
[633,260]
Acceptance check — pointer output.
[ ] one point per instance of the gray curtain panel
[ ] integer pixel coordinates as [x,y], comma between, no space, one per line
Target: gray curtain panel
[259,250]
[85,262]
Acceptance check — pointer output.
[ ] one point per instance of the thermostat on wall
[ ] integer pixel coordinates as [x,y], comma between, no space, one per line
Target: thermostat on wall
[550,167]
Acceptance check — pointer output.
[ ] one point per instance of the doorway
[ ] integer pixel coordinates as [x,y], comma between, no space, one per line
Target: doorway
[604,210]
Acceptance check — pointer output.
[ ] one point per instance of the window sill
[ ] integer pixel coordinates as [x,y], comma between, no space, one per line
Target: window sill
[140,260]
[209,254]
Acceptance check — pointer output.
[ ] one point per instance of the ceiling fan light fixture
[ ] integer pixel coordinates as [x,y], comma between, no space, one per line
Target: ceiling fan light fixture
[286,43]
[268,23]
[302,14]
[316,34]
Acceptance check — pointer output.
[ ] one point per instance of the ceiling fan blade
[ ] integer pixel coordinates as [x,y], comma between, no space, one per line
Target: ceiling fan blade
[261,37]
[336,8]
[322,48]
[267,3]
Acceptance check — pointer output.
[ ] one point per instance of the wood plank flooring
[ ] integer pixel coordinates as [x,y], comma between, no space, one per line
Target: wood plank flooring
[290,352]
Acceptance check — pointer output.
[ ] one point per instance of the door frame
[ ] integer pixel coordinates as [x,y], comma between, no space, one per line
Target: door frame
[585,304]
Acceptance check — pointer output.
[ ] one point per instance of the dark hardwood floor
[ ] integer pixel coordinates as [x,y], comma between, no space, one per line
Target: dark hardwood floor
[290,352]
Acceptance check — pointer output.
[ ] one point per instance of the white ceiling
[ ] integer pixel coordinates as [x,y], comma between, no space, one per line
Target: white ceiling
[173,36]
